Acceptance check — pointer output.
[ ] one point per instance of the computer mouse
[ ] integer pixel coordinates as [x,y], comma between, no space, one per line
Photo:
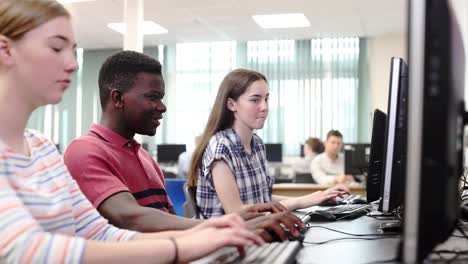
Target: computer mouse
[299,237]
[358,201]
[320,216]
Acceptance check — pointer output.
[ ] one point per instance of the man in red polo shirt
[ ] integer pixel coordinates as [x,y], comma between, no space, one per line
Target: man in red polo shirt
[117,175]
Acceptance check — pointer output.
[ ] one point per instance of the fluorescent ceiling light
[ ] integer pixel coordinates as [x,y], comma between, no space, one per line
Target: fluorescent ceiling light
[293,20]
[149,28]
[73,1]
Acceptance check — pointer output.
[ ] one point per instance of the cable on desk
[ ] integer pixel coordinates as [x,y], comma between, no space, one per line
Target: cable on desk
[307,243]
[351,234]
[460,228]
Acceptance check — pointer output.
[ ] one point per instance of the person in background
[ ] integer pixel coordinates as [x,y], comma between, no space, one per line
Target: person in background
[312,147]
[229,165]
[184,161]
[44,217]
[328,167]
[118,176]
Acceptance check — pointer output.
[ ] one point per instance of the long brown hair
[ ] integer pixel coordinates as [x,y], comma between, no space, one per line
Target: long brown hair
[17,17]
[233,85]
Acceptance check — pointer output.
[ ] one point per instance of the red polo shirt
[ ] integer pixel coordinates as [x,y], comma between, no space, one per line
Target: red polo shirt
[104,163]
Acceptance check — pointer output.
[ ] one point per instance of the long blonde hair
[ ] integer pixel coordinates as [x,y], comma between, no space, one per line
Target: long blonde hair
[233,85]
[17,17]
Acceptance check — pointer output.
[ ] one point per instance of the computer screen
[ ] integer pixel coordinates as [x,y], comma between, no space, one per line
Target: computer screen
[356,158]
[436,114]
[169,153]
[394,162]
[376,156]
[274,152]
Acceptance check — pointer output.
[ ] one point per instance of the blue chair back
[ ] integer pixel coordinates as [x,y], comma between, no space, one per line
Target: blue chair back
[175,190]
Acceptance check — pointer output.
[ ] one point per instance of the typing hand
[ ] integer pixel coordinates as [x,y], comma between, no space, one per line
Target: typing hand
[330,196]
[344,179]
[230,220]
[190,248]
[256,210]
[272,227]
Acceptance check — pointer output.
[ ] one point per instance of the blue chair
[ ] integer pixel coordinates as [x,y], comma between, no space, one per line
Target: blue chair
[175,191]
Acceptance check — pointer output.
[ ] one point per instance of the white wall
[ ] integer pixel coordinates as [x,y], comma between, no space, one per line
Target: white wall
[380,50]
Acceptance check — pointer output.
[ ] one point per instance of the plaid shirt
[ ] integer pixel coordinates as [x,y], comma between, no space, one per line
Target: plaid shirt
[253,181]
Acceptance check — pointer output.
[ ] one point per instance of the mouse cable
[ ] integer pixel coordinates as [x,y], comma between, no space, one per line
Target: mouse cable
[356,235]
[307,243]
[461,227]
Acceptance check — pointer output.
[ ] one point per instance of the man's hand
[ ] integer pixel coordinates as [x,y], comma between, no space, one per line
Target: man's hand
[344,178]
[272,227]
[256,210]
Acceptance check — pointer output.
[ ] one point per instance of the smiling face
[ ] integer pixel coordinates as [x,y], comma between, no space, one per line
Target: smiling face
[142,104]
[42,62]
[251,108]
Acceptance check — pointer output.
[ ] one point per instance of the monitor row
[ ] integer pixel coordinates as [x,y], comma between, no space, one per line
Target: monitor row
[415,160]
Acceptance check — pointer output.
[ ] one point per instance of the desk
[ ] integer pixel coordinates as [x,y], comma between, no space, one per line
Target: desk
[299,189]
[358,250]
[382,250]
[347,251]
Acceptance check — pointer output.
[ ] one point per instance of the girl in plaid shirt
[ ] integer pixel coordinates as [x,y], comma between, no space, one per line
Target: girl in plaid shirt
[229,165]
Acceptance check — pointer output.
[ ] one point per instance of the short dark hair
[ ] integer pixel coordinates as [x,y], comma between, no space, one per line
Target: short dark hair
[120,70]
[334,133]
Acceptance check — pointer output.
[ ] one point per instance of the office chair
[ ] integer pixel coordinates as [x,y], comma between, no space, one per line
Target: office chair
[303,178]
[191,209]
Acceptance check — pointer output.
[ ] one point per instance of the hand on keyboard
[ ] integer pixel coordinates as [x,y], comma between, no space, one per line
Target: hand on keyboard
[228,230]
[256,210]
[277,227]
[330,196]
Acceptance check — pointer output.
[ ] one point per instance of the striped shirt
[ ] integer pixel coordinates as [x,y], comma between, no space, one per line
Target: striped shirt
[253,181]
[44,217]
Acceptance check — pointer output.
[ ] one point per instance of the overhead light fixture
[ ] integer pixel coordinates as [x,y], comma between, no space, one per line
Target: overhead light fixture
[148,28]
[293,20]
[73,1]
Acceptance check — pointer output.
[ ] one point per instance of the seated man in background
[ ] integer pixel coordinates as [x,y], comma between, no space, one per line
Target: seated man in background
[119,177]
[312,148]
[328,168]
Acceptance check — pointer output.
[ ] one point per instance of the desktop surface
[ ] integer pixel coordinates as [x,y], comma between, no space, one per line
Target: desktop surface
[323,243]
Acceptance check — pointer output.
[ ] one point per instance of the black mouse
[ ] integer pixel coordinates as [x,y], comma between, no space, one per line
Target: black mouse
[358,201]
[319,216]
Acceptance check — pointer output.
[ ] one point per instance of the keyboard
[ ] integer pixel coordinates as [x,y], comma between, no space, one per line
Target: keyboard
[346,209]
[276,253]
[338,212]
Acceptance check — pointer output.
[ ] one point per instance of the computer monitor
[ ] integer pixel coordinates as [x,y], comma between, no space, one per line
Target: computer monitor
[435,125]
[169,153]
[356,158]
[376,156]
[274,152]
[394,162]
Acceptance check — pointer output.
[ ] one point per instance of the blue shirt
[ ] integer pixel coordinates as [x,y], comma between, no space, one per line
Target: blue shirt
[249,170]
